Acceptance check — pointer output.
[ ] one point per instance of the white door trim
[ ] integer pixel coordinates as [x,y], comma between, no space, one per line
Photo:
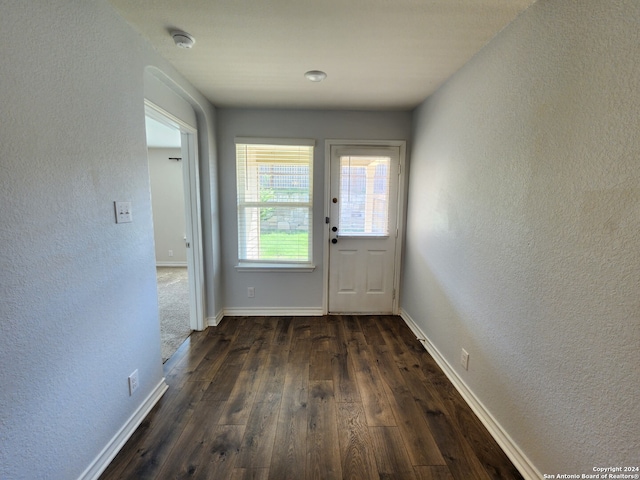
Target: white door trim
[401,205]
[193,223]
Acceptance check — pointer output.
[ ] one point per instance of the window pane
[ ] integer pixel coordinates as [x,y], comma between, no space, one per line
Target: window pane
[283,183]
[364,195]
[275,233]
[274,173]
[274,202]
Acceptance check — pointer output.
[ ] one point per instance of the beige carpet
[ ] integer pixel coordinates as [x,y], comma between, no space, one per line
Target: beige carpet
[173,299]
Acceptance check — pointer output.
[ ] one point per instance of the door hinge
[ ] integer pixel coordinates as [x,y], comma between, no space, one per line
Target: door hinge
[326,219]
[394,294]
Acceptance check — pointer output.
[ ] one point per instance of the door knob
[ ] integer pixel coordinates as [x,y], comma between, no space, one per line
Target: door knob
[334,229]
[334,240]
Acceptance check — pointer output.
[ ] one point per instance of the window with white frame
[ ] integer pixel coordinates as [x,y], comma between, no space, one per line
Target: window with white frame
[275,199]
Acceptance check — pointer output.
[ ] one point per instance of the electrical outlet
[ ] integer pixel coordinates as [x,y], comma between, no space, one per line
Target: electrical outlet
[251,292]
[171,253]
[133,382]
[464,359]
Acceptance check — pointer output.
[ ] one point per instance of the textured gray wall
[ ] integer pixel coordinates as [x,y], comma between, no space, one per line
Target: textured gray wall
[78,309]
[167,198]
[524,231]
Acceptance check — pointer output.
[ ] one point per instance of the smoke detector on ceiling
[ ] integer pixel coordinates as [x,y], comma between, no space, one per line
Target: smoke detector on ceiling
[183,39]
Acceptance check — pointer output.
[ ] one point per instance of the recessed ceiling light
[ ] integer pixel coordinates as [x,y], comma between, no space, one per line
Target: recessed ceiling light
[315,75]
[183,39]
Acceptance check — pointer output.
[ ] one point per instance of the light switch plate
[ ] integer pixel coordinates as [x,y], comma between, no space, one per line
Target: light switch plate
[123,212]
[464,359]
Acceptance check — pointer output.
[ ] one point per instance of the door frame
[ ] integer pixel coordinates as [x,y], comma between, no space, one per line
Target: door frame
[193,224]
[401,206]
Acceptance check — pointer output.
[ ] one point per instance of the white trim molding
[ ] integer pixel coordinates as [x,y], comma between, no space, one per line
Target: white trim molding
[275,267]
[510,448]
[172,264]
[272,312]
[112,448]
[303,142]
[215,321]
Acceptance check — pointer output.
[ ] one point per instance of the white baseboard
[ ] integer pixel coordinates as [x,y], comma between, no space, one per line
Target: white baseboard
[215,321]
[112,448]
[273,312]
[171,264]
[510,448]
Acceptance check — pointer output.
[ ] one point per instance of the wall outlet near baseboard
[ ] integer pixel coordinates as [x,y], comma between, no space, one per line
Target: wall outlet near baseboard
[464,359]
[133,382]
[251,292]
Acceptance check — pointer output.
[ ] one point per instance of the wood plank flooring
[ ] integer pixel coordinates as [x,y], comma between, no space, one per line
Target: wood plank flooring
[334,397]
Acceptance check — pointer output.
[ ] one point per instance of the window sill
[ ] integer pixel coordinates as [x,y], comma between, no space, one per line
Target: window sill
[275,267]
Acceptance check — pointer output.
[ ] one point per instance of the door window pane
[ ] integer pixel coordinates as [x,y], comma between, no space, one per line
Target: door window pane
[364,196]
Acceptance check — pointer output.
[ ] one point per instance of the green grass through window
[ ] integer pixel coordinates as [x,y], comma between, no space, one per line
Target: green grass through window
[284,246]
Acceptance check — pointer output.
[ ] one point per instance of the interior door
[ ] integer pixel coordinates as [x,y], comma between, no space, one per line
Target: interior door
[364,228]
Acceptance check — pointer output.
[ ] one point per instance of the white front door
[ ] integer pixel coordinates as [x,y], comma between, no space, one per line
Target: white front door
[363,223]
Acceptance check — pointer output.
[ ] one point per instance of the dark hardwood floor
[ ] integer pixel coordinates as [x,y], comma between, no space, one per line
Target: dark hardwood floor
[335,397]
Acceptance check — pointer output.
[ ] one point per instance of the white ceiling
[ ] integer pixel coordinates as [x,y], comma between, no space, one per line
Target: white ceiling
[378,54]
